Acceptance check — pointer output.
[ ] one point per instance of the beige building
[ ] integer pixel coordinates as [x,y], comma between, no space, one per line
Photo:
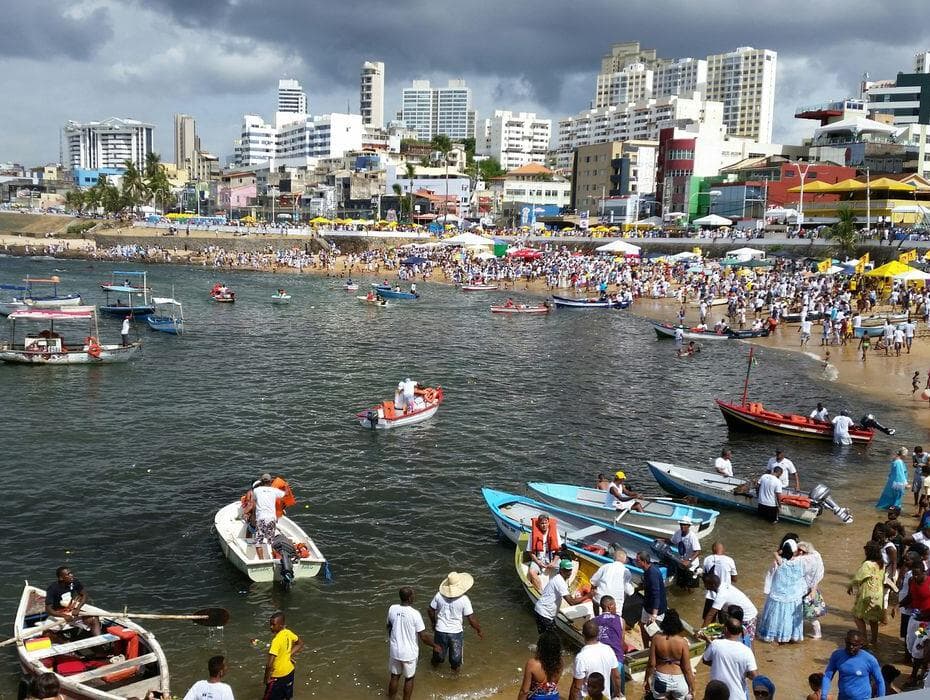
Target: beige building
[744,81]
[371,94]
[612,169]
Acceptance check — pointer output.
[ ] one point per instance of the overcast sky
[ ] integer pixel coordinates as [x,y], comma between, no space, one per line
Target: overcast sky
[217,59]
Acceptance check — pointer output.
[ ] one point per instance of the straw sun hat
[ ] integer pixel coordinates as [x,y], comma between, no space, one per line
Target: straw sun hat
[456,584]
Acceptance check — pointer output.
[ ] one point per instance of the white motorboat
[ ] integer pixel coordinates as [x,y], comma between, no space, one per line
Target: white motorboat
[239,547]
[384,415]
[281,298]
[136,665]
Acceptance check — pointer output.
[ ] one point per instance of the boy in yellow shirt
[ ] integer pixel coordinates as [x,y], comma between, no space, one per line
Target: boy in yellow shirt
[279,671]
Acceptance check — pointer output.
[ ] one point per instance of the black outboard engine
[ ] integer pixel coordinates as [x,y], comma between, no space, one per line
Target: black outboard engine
[372,417]
[685,575]
[820,496]
[283,546]
[868,421]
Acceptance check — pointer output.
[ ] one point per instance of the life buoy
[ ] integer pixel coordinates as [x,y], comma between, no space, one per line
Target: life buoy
[93,346]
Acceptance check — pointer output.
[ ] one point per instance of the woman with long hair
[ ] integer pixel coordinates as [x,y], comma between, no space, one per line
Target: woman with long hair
[782,618]
[669,668]
[814,605]
[542,672]
[867,586]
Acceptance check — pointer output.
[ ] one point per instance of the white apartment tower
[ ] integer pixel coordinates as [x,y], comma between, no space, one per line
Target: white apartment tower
[744,81]
[257,141]
[371,94]
[922,62]
[680,76]
[632,83]
[430,111]
[292,102]
[515,140]
[185,139]
[107,144]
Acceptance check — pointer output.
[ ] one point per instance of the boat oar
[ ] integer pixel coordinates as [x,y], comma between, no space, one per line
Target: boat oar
[34,631]
[208,617]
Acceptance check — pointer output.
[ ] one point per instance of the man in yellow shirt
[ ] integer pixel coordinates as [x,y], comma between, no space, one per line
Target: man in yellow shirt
[279,671]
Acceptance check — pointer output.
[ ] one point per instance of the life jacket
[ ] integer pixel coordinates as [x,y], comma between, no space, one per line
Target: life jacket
[287,501]
[539,540]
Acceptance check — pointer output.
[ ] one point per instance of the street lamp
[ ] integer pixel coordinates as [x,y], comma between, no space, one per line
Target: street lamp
[802,174]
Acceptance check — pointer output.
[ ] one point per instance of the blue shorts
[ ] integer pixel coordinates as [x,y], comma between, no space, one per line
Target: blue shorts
[452,644]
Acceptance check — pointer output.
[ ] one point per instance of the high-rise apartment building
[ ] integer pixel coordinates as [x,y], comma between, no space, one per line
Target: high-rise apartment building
[107,144]
[623,54]
[744,81]
[680,76]
[186,140]
[371,94]
[632,83]
[514,139]
[922,62]
[257,141]
[292,102]
[430,111]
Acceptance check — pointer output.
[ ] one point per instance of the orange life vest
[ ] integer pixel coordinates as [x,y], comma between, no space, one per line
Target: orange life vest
[539,540]
[287,501]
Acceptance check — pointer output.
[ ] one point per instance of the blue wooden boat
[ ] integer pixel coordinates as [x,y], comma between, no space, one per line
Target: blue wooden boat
[873,331]
[659,517]
[135,288]
[28,298]
[582,535]
[592,303]
[388,293]
[167,319]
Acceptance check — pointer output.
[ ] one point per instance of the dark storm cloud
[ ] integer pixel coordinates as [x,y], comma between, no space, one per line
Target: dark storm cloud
[540,43]
[39,29]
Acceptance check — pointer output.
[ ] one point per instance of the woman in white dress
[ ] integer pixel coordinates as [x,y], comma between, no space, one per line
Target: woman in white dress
[814,606]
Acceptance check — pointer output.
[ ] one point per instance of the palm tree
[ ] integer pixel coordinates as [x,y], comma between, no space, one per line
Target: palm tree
[134,190]
[404,204]
[443,144]
[75,200]
[156,180]
[411,172]
[843,232]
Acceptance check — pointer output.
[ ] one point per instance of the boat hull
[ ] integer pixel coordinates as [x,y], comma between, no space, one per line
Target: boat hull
[231,531]
[377,301]
[479,287]
[719,490]
[281,299]
[658,519]
[533,310]
[391,294]
[109,354]
[743,418]
[165,324]
[124,311]
[418,416]
[666,330]
[568,303]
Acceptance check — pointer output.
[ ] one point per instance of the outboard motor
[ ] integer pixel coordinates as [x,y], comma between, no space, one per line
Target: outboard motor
[372,417]
[820,495]
[868,421]
[283,546]
[685,576]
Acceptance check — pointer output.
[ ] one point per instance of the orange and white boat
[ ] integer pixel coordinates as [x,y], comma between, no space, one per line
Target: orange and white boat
[384,415]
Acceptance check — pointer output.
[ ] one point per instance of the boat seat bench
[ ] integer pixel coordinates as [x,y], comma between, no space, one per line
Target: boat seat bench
[112,668]
[578,535]
[591,497]
[68,647]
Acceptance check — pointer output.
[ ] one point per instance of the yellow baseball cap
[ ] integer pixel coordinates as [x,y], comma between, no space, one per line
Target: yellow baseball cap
[620,475]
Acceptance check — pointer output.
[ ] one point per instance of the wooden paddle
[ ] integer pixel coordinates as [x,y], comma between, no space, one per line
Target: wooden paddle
[34,631]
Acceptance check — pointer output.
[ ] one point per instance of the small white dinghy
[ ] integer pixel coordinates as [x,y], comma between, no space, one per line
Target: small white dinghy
[281,298]
[384,415]
[135,666]
[239,547]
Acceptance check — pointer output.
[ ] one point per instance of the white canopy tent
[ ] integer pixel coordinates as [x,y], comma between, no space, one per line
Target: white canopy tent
[914,275]
[746,254]
[649,221]
[484,255]
[467,239]
[684,255]
[713,220]
[619,247]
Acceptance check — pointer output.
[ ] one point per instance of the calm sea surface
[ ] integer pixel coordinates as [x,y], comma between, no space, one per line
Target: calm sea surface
[118,470]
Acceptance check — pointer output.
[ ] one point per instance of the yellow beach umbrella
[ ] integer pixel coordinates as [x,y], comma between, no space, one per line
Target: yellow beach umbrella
[320,220]
[815,186]
[886,183]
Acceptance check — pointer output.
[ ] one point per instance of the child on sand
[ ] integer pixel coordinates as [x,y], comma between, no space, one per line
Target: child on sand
[814,680]
[915,382]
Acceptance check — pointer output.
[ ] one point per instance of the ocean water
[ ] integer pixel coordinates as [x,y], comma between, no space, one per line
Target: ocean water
[117,471]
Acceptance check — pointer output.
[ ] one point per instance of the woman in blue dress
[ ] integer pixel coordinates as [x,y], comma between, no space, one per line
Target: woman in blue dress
[896,484]
[782,617]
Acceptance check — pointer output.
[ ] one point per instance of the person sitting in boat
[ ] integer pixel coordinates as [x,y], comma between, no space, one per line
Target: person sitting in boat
[399,397]
[370,296]
[757,325]
[509,304]
[619,495]
[413,287]
[65,598]
[281,292]
[543,550]
[820,413]
[690,349]
[410,390]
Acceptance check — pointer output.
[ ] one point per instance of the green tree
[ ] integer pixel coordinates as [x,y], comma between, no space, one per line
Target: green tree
[75,200]
[109,196]
[843,232]
[403,202]
[469,145]
[490,168]
[156,180]
[410,171]
[442,143]
[134,190]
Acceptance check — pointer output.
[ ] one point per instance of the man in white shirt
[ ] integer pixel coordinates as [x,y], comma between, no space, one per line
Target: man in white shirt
[446,611]
[619,496]
[214,688]
[556,591]
[787,467]
[725,596]
[405,628]
[805,330]
[410,387]
[723,567]
[910,330]
[769,486]
[731,662]
[612,579]
[679,337]
[722,464]
[266,517]
[820,413]
[841,425]
[686,542]
[124,331]
[595,656]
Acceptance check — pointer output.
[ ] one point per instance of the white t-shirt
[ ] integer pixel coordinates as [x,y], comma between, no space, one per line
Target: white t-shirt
[409,389]
[723,466]
[690,541]
[205,690]
[769,488]
[806,326]
[265,496]
[787,467]
[731,595]
[125,329]
[730,661]
[821,414]
[612,579]
[406,623]
[841,426]
[721,565]
[597,657]
[450,611]
[548,604]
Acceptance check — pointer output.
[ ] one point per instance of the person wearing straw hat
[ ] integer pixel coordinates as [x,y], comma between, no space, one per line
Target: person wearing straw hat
[446,611]
[686,541]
